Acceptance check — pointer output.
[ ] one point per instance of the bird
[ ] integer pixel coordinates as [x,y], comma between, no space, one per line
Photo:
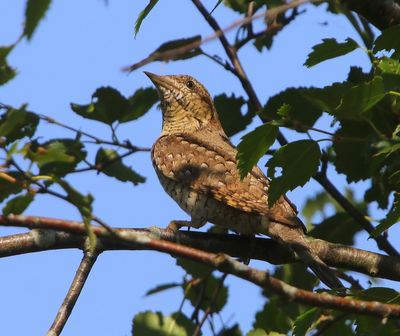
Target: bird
[196,164]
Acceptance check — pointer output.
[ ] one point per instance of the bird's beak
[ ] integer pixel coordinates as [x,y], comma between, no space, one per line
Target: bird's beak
[160,81]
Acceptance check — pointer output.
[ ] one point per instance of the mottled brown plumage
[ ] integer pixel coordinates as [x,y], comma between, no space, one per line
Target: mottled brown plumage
[196,165]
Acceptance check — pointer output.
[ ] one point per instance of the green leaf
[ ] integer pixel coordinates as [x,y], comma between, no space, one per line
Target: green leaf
[299,161]
[18,204]
[392,218]
[303,322]
[328,49]
[6,72]
[274,316]
[35,11]
[344,100]
[17,123]
[140,102]
[157,324]
[57,157]
[253,146]
[293,107]
[162,288]
[361,98]
[257,332]
[353,149]
[167,51]
[82,202]
[231,331]
[109,162]
[142,15]
[315,205]
[7,186]
[108,106]
[339,228]
[202,294]
[195,269]
[389,40]
[230,115]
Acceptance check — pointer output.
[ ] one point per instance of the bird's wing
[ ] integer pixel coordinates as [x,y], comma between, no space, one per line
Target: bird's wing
[209,166]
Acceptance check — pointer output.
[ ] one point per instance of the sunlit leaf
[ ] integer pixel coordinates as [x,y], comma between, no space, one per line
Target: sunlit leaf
[157,324]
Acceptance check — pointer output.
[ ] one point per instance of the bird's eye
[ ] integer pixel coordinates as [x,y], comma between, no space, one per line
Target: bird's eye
[190,84]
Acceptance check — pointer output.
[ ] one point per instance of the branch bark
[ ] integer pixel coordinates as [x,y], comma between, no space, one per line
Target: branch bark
[381,13]
[54,233]
[220,261]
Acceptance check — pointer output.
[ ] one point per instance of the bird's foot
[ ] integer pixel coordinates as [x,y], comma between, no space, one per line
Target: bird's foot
[175,225]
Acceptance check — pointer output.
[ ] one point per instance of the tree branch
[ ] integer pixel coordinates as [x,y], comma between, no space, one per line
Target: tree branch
[50,234]
[381,13]
[82,273]
[221,262]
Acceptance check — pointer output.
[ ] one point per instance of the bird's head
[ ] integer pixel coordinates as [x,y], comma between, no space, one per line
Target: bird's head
[186,104]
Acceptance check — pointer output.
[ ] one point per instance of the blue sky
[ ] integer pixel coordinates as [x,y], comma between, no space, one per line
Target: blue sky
[82,45]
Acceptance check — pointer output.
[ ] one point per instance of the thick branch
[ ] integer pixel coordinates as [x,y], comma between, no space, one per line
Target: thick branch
[381,13]
[335,255]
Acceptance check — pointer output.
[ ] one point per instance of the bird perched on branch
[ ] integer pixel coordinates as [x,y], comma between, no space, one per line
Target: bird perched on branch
[196,165]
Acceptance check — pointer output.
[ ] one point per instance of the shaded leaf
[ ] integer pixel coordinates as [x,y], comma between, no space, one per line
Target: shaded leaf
[6,72]
[195,269]
[11,182]
[142,15]
[299,161]
[253,146]
[231,331]
[17,123]
[389,40]
[82,202]
[315,205]
[108,105]
[392,217]
[140,102]
[328,49]
[18,204]
[35,11]
[229,112]
[274,316]
[202,294]
[298,276]
[109,162]
[172,50]
[353,149]
[57,156]
[304,321]
[339,228]
[157,324]
[298,112]
[162,288]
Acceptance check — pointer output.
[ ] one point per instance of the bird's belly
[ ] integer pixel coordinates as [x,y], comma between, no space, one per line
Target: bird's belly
[203,207]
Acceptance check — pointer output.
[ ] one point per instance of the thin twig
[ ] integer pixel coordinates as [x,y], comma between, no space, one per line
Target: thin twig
[74,291]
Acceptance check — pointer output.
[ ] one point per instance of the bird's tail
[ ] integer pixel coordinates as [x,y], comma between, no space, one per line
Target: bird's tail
[293,236]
